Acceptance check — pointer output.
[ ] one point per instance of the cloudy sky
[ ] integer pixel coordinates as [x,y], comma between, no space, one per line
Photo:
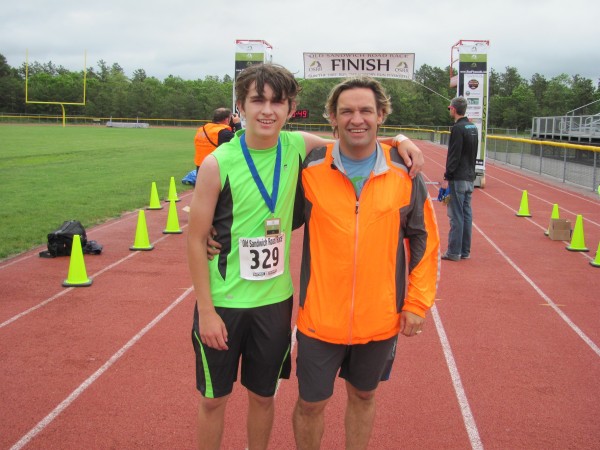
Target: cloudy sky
[192,39]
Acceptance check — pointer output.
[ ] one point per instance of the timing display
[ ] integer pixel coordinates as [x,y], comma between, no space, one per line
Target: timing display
[300,114]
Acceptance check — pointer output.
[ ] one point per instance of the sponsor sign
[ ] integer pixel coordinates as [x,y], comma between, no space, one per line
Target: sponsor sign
[251,52]
[473,84]
[247,53]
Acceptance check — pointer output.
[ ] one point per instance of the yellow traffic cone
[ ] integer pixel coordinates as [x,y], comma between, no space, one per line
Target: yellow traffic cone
[141,241]
[596,262]
[154,202]
[554,215]
[172,191]
[172,220]
[524,208]
[77,275]
[577,240]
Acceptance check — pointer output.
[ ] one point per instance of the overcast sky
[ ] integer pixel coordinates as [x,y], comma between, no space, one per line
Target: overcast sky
[192,39]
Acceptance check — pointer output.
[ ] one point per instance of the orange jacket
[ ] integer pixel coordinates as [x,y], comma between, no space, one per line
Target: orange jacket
[365,260]
[204,146]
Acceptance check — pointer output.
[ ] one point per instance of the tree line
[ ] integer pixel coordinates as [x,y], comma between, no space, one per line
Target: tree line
[513,99]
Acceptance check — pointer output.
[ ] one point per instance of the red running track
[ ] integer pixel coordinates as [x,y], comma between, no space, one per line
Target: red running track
[509,359]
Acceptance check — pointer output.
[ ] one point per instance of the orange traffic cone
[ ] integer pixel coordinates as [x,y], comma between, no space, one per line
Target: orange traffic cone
[141,241]
[77,275]
[577,240]
[172,220]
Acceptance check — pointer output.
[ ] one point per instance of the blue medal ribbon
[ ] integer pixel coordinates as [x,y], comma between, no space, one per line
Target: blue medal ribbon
[270,200]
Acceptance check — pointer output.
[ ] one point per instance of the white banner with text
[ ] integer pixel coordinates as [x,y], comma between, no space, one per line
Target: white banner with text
[378,65]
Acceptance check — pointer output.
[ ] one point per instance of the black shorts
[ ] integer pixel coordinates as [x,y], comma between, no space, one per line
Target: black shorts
[261,337]
[362,365]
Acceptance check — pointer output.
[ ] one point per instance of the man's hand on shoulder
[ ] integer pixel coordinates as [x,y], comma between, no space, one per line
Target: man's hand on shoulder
[409,152]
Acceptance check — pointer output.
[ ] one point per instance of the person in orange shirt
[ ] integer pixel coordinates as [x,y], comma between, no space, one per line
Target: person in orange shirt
[370,263]
[210,136]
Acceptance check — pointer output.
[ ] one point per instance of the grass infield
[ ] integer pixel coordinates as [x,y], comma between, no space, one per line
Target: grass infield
[49,174]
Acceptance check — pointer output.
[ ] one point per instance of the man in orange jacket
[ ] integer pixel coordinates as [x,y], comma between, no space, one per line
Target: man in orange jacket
[361,210]
[210,136]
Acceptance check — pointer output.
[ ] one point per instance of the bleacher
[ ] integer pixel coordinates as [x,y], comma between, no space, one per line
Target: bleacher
[573,129]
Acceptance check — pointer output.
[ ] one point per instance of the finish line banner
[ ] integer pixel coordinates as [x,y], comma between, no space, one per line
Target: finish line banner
[340,65]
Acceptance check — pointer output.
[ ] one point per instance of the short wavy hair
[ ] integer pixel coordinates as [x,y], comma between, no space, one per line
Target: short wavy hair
[280,79]
[460,105]
[382,100]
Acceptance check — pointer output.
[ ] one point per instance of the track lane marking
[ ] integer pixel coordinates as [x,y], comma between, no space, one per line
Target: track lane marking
[541,293]
[529,219]
[461,395]
[584,254]
[42,424]
[65,291]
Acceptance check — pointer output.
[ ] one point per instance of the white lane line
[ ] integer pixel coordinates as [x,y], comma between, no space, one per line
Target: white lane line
[463,402]
[544,184]
[87,383]
[530,220]
[547,299]
[63,292]
[541,293]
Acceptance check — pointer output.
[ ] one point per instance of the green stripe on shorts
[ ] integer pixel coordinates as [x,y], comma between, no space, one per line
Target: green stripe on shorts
[209,389]
[287,352]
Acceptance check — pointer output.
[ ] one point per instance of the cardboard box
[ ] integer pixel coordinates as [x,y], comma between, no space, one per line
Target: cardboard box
[559,230]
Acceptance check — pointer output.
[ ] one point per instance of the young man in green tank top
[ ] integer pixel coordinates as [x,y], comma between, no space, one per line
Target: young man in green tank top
[246,189]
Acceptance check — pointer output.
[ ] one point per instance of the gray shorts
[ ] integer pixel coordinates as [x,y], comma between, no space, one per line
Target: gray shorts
[362,365]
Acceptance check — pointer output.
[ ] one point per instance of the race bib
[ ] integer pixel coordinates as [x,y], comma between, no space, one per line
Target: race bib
[262,258]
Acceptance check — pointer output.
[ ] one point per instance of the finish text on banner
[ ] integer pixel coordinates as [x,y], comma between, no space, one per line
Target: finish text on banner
[340,65]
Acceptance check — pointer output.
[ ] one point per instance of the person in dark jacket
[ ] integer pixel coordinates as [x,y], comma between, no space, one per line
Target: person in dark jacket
[460,175]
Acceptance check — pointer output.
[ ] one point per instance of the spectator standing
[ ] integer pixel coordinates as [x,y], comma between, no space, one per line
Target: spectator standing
[460,177]
[211,135]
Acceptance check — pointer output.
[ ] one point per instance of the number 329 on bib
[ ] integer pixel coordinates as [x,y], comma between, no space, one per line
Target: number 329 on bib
[262,258]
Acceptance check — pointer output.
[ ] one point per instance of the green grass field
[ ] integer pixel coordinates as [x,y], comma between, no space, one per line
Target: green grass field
[49,174]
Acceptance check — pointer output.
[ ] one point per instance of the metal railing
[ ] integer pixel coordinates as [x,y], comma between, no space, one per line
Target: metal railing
[576,164]
[567,128]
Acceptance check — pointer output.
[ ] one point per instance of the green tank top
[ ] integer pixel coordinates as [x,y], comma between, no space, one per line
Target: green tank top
[241,213]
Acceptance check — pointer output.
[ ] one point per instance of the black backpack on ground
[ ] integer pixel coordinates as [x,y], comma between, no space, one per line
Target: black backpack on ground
[60,241]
